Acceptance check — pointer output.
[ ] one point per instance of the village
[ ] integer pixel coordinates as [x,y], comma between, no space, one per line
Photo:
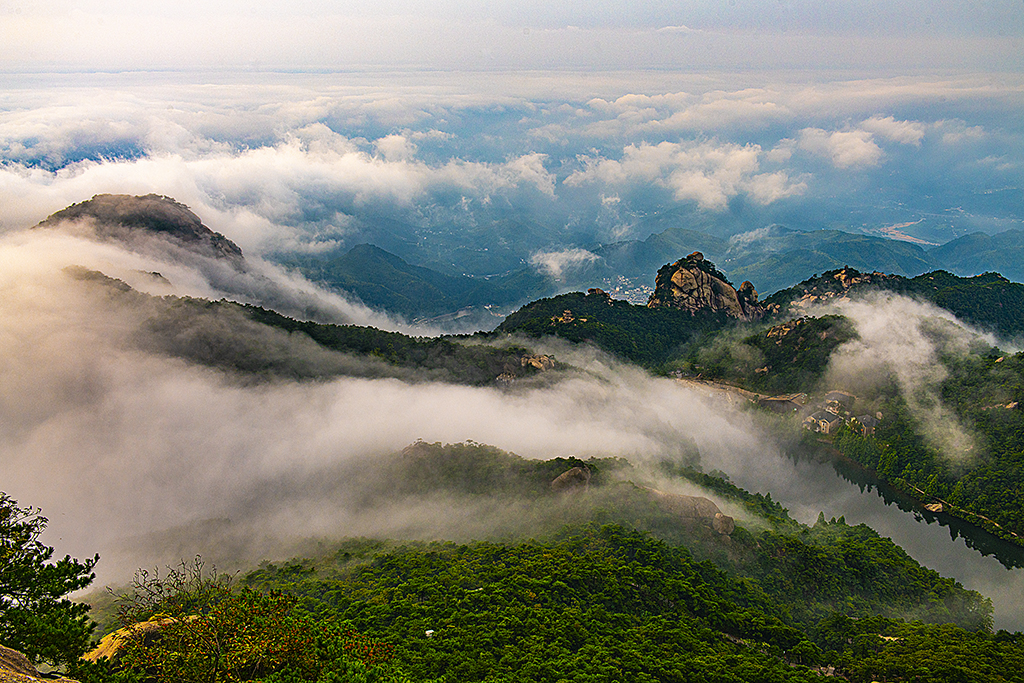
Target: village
[826,417]
[833,412]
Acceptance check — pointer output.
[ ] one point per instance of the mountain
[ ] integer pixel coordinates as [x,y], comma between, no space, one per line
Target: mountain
[383,280]
[692,298]
[655,591]
[636,259]
[256,343]
[694,284]
[989,301]
[129,219]
[978,252]
[773,257]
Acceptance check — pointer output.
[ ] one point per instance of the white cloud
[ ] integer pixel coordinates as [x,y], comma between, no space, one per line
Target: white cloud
[556,263]
[259,197]
[845,149]
[904,132]
[708,173]
[904,339]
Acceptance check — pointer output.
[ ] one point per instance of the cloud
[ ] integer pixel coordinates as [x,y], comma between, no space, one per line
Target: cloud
[266,198]
[115,440]
[745,239]
[707,173]
[676,29]
[556,263]
[845,149]
[903,132]
[905,339]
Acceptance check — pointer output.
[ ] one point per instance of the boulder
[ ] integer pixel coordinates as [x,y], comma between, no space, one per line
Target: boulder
[16,668]
[694,510]
[576,479]
[723,524]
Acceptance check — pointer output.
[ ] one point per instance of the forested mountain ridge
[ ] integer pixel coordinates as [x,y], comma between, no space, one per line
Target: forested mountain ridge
[989,301]
[257,343]
[659,598]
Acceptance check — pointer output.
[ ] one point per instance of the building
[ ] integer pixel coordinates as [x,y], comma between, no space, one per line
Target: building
[866,424]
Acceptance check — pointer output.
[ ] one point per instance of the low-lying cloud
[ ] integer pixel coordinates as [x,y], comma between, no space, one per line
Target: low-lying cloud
[115,440]
[707,173]
[557,264]
[903,339]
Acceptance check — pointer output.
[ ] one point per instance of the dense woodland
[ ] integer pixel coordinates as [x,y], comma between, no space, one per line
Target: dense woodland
[595,597]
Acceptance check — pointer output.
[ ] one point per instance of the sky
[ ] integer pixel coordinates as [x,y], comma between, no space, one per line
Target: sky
[461,34]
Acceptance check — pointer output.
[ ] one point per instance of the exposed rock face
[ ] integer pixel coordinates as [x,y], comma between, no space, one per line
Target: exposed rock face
[834,285]
[694,509]
[576,479]
[694,284]
[538,361]
[127,218]
[110,645]
[16,668]
[723,524]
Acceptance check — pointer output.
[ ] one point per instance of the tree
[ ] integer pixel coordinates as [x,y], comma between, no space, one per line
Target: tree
[36,616]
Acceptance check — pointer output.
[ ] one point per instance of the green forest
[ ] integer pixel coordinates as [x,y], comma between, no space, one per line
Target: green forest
[616,586]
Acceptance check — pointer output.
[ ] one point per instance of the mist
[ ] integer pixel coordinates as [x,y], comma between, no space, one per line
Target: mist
[903,340]
[115,439]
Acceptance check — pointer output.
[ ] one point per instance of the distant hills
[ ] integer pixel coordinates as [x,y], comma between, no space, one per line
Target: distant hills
[383,280]
[772,258]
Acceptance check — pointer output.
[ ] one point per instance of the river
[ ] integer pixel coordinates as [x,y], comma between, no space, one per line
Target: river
[807,485]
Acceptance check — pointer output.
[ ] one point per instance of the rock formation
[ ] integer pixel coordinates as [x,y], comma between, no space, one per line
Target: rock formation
[694,284]
[833,285]
[578,478]
[694,510]
[16,668]
[129,219]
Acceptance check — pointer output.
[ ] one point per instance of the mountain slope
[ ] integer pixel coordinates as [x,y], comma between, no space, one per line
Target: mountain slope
[989,301]
[128,218]
[978,252]
[385,281]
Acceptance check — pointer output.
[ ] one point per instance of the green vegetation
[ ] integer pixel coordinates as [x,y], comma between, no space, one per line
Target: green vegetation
[639,594]
[385,281]
[648,336]
[188,627]
[439,358]
[983,486]
[786,358]
[989,301]
[36,616]
[261,343]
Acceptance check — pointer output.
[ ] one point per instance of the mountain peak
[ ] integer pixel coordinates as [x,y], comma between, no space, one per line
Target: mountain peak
[125,217]
[695,284]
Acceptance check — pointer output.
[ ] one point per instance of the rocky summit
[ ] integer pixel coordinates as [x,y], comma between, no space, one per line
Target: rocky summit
[127,218]
[694,284]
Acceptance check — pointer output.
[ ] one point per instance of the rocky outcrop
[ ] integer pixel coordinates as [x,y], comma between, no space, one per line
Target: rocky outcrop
[16,668]
[723,524]
[130,219]
[538,361]
[694,510]
[694,284]
[833,285]
[576,479]
[112,644]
